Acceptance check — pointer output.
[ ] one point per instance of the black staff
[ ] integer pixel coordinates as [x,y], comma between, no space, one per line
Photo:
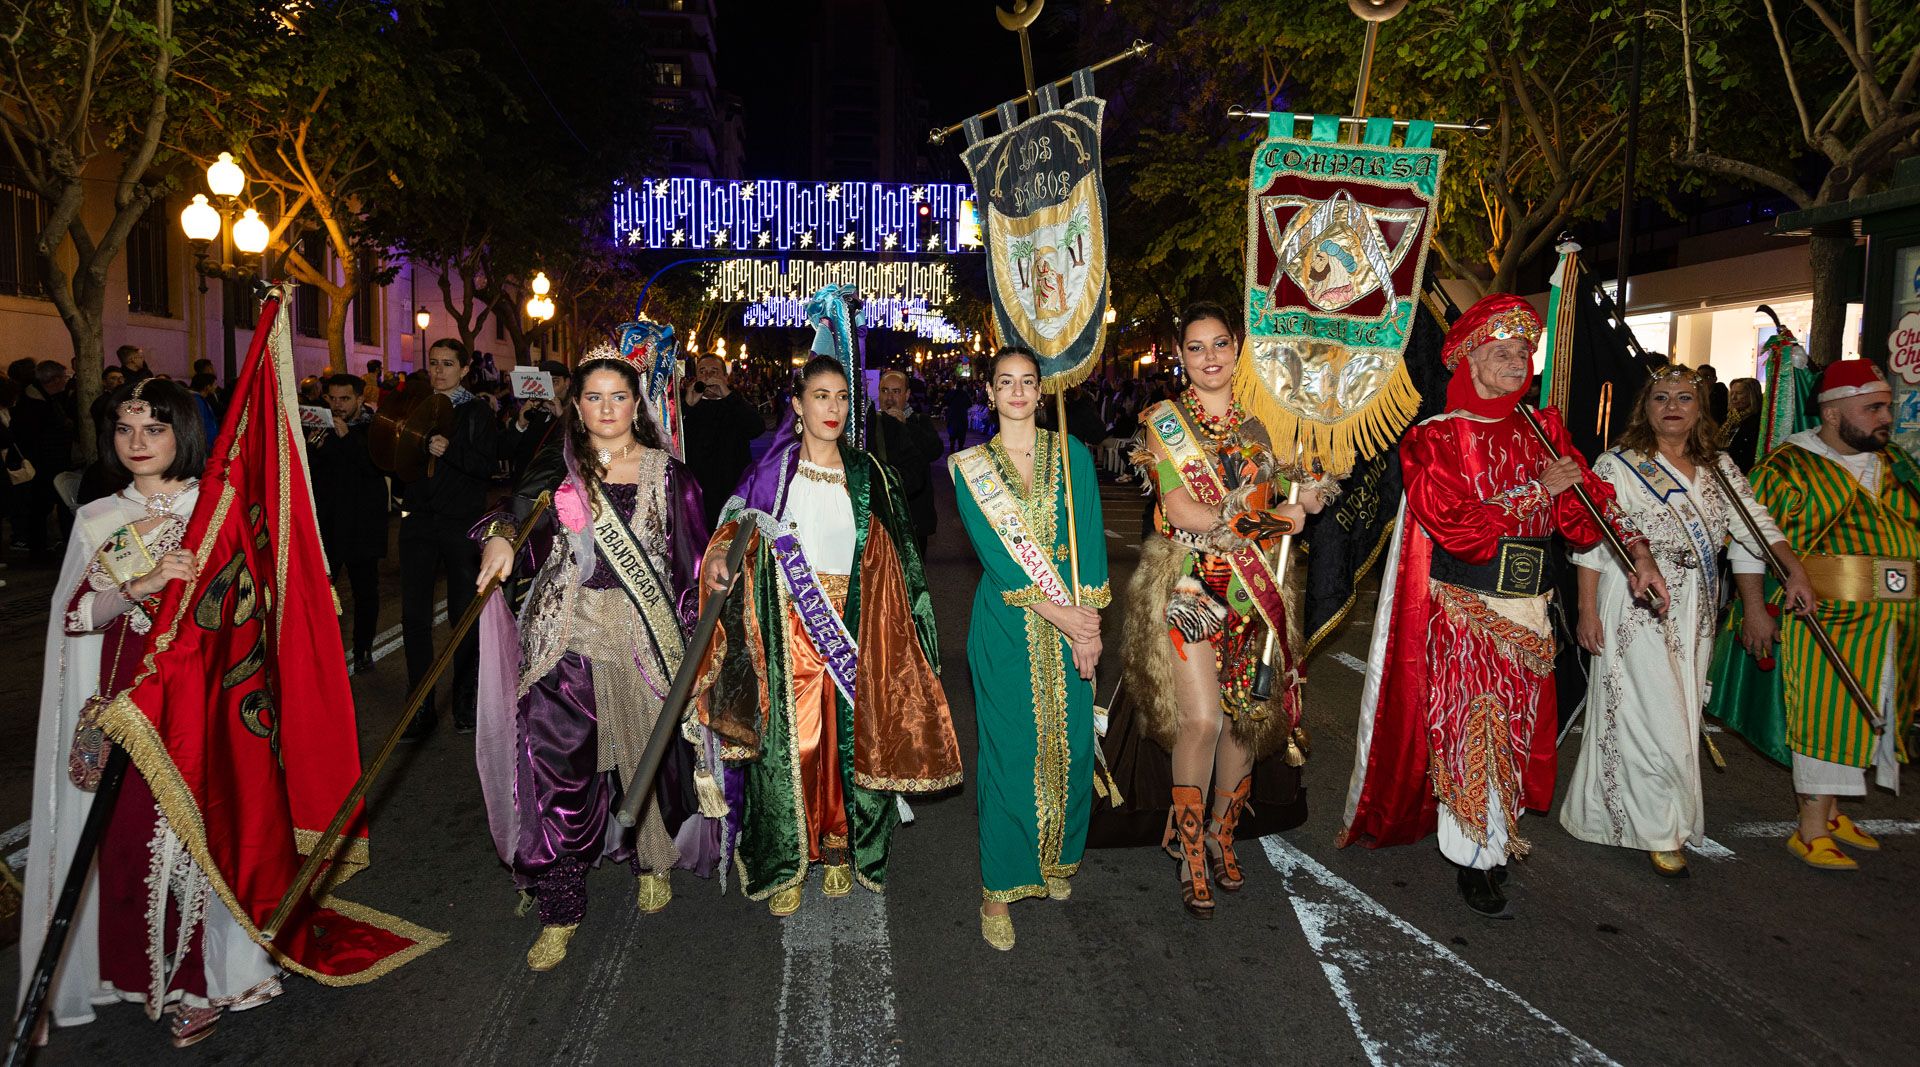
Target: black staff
[1614,543]
[682,689]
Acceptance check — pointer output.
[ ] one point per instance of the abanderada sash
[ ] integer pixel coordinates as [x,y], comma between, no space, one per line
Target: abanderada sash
[996,500]
[637,576]
[825,629]
[1197,475]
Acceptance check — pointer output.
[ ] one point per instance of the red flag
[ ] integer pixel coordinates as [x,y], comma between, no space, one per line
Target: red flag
[241,718]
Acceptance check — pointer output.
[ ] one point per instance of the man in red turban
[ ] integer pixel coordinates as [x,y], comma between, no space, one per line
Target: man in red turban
[1457,721]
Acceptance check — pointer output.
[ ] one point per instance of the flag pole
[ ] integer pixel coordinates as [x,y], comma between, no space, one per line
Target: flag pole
[322,850]
[34,994]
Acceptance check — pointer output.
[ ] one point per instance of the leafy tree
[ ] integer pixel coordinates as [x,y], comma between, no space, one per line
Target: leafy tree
[339,108]
[1847,82]
[87,81]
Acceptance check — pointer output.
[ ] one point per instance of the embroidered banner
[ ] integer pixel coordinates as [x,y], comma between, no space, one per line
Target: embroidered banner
[655,352]
[974,469]
[826,630]
[1176,441]
[1043,212]
[1336,254]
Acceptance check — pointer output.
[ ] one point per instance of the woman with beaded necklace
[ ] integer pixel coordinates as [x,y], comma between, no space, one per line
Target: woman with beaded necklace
[1200,606]
[570,696]
[820,683]
[1035,712]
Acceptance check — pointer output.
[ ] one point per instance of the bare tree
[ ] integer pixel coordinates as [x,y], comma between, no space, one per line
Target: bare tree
[1861,128]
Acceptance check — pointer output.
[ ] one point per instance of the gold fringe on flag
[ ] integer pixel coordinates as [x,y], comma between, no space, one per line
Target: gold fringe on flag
[1359,434]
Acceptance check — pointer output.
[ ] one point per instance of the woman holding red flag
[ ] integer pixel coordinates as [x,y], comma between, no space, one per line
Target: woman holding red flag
[149,928]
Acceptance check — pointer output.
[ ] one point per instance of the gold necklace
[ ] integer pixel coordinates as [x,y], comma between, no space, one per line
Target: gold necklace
[607,457]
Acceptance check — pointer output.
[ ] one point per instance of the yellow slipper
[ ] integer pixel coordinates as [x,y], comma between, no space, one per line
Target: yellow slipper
[1822,853]
[1849,832]
[655,893]
[785,902]
[550,947]
[1058,888]
[1669,863]
[838,880]
[997,930]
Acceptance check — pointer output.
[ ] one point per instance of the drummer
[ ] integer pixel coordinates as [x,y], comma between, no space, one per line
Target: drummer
[437,510]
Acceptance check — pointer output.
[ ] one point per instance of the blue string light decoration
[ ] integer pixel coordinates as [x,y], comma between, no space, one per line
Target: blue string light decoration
[774,215]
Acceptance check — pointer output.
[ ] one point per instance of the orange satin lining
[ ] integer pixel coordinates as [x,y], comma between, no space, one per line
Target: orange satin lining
[814,734]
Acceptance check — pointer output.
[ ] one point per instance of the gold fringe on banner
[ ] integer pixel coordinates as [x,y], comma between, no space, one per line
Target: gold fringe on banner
[1361,434]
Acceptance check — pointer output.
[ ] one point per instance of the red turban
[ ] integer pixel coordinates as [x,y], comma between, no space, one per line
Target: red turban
[1494,317]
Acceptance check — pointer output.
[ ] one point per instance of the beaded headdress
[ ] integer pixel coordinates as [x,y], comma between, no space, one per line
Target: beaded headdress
[134,405]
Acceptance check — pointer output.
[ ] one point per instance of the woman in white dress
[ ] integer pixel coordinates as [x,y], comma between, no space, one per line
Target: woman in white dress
[148,929]
[1638,781]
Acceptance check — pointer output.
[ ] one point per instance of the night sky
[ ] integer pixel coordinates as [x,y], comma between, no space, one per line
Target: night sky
[960,58]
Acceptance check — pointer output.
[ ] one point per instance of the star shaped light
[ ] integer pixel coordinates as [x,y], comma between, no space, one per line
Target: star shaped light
[660,189]
[847,240]
[933,242]
[806,239]
[746,191]
[720,238]
[833,192]
[892,239]
[919,195]
[679,237]
[765,239]
[634,236]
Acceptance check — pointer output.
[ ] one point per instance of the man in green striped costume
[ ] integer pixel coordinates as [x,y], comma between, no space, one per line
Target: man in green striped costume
[1848,501]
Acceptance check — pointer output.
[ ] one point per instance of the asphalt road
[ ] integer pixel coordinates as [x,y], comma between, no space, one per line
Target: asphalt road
[1327,957]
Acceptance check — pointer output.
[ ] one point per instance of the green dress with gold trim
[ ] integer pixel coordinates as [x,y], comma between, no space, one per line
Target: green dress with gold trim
[1034,711]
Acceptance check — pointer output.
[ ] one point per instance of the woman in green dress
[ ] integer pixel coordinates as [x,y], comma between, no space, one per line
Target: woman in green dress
[1035,710]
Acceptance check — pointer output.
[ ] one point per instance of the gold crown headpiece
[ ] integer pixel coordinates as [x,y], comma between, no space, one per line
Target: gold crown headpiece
[134,405]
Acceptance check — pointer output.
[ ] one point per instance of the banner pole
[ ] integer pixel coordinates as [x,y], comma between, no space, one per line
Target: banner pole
[323,848]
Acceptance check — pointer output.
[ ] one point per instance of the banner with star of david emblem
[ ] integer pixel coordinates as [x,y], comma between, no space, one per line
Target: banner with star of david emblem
[1043,211]
[1336,254]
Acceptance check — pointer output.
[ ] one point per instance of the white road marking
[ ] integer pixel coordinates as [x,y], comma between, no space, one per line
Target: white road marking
[603,988]
[1876,827]
[1409,998]
[390,639]
[836,982]
[1710,849]
[1351,660]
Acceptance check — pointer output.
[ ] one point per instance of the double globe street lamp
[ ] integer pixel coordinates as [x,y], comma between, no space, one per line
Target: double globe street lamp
[540,305]
[247,235]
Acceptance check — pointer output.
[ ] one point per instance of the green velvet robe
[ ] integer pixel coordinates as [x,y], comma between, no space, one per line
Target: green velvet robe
[899,739]
[1033,710]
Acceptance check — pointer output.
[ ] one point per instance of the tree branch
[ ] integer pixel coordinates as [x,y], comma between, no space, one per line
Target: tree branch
[1734,168]
[1793,83]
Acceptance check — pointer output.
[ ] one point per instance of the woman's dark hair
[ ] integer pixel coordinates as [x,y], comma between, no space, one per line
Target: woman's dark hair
[584,450]
[1207,309]
[453,344]
[1006,352]
[819,365]
[167,402]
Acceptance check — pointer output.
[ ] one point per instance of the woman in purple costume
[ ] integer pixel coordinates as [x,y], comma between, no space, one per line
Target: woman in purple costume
[571,690]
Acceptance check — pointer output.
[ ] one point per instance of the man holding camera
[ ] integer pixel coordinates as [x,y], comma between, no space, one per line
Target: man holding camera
[719,423]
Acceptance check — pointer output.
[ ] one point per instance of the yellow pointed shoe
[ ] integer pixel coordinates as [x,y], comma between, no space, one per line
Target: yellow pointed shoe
[656,892]
[997,930]
[1669,864]
[838,881]
[1822,853]
[550,947]
[785,902]
[1058,888]
[1848,832]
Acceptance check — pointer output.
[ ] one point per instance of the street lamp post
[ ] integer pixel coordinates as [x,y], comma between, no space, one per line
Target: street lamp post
[540,305]
[246,235]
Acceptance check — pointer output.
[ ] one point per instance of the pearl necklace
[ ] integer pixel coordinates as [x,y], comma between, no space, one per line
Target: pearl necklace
[607,457]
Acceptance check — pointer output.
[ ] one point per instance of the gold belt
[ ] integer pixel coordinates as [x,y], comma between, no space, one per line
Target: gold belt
[834,585]
[1858,578]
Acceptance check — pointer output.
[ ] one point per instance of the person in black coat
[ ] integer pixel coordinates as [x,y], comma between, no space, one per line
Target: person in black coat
[437,512]
[719,425]
[43,429]
[907,441]
[350,497]
[537,423]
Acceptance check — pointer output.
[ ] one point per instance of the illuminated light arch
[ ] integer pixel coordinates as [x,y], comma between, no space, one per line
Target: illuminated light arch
[775,215]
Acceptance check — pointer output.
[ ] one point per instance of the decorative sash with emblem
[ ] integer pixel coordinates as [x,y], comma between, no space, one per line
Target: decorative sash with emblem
[1044,224]
[825,629]
[1665,487]
[642,583]
[974,469]
[1177,442]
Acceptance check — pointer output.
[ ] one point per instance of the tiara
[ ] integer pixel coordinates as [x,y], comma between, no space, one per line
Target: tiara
[134,405]
[1678,372]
